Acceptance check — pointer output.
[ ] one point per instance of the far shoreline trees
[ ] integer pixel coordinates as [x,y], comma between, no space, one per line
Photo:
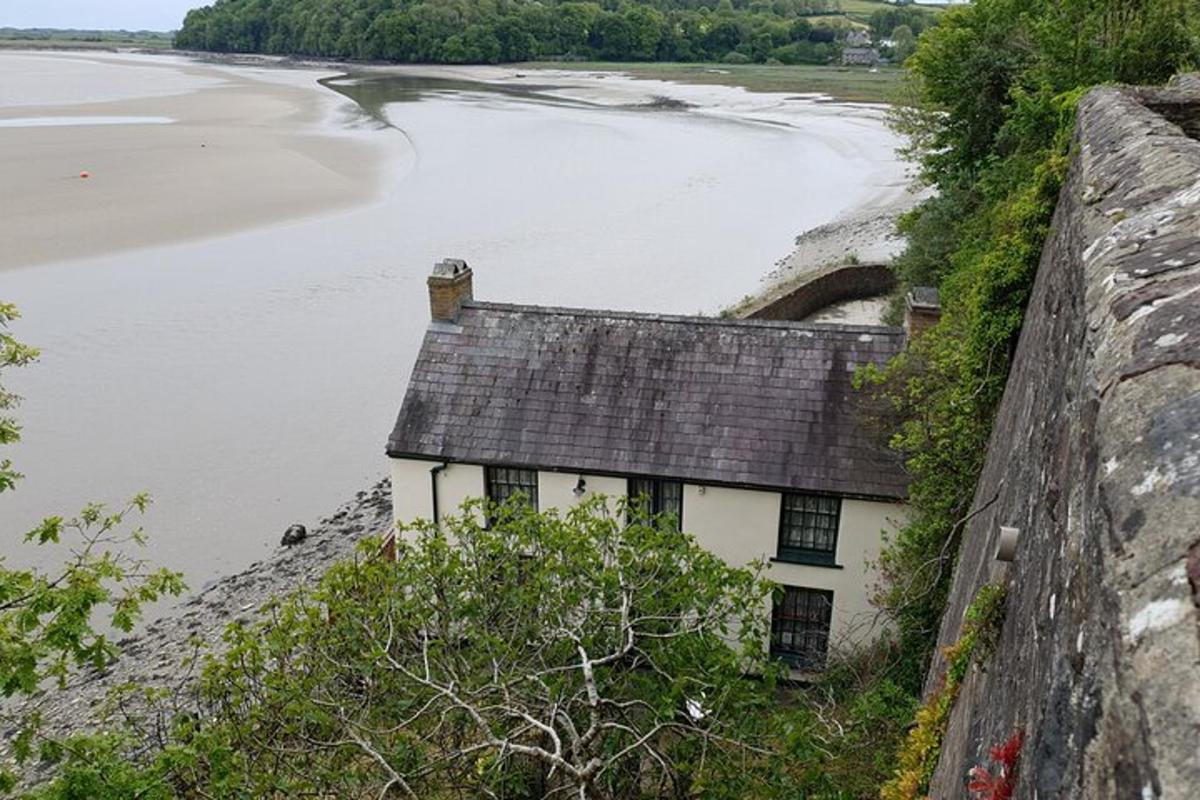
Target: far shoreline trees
[472,31]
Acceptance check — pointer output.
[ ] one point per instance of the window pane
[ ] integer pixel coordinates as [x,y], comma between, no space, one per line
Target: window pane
[809,523]
[501,483]
[640,488]
[660,496]
[670,499]
[800,627]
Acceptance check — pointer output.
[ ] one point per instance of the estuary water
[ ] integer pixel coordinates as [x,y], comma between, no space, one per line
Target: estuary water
[247,374]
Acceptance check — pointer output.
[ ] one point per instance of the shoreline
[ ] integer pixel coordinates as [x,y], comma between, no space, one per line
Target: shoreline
[864,235]
[157,655]
[225,129]
[80,188]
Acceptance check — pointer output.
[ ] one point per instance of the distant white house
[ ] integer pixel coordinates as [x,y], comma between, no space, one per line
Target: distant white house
[745,430]
[858,38]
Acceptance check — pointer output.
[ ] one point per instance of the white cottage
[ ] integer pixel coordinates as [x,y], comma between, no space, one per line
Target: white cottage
[745,430]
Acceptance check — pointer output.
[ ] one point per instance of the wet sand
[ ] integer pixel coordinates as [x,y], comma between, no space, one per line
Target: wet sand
[176,149]
[236,152]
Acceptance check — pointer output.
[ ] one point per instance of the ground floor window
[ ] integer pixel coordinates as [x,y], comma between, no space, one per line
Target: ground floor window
[800,627]
[502,483]
[660,496]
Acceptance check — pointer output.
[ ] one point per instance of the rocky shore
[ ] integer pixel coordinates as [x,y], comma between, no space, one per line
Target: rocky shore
[158,655]
[866,235]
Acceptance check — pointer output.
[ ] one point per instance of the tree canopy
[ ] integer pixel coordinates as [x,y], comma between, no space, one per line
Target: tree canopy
[599,654]
[493,31]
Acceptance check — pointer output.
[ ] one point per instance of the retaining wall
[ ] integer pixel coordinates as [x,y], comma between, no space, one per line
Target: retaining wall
[1095,456]
[826,287]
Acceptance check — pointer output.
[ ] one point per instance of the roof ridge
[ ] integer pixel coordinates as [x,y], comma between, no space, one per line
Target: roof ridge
[817,327]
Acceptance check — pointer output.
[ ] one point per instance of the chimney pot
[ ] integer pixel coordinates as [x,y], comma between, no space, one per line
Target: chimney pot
[449,287]
[922,310]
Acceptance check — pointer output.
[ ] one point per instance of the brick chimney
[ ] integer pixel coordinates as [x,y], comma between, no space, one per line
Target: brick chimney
[922,310]
[449,287]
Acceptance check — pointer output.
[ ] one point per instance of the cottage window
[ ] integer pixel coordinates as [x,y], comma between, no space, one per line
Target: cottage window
[503,483]
[808,528]
[800,627]
[660,496]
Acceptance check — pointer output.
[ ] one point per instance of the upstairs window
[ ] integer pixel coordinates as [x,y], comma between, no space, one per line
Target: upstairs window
[808,528]
[660,496]
[502,483]
[800,627]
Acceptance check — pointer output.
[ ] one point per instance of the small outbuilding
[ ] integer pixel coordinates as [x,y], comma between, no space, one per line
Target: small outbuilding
[861,56]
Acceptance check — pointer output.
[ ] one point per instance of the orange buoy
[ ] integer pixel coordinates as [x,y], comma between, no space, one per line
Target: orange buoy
[85,174]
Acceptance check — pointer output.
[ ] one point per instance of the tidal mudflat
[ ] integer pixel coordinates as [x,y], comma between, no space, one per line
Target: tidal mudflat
[231,329]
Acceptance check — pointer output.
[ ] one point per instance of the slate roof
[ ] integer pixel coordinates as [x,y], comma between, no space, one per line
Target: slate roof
[749,403]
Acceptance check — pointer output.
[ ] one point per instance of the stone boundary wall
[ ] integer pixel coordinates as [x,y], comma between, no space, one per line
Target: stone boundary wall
[1095,456]
[825,287]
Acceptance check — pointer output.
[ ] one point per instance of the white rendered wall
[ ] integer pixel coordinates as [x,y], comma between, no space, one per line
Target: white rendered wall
[412,496]
[740,525]
[557,489]
[413,499]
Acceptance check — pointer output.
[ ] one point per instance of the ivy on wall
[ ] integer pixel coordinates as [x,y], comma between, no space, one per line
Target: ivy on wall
[922,748]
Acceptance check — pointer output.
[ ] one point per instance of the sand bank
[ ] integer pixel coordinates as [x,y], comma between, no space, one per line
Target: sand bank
[239,150]
[866,234]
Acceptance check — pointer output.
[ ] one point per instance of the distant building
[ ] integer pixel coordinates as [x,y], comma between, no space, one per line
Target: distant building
[746,431]
[858,38]
[860,56]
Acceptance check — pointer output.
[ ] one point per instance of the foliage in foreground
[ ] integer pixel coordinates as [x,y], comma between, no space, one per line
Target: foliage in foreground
[580,655]
[918,758]
[993,89]
[46,617]
[12,354]
[584,656]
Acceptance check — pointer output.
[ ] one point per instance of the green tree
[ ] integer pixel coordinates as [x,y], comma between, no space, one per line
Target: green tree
[613,37]
[599,654]
[904,42]
[46,617]
[437,30]
[12,354]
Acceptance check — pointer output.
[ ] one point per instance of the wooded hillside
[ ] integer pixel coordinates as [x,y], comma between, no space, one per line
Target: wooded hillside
[493,31]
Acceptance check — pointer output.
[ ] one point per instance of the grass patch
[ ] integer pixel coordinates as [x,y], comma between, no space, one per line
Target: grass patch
[51,38]
[851,84]
[862,10]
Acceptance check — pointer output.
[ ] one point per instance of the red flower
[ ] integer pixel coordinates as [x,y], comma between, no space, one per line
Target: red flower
[1007,754]
[985,786]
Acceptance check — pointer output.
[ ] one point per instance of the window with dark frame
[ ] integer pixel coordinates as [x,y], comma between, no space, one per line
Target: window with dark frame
[800,627]
[661,496]
[808,528]
[502,483]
